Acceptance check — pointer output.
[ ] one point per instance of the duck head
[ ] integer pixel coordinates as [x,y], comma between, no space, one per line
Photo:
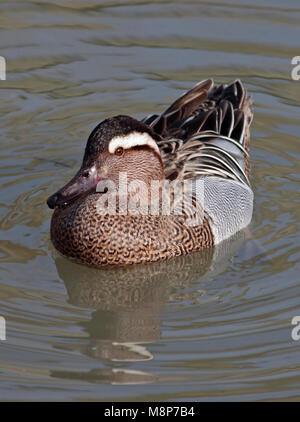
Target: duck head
[118,144]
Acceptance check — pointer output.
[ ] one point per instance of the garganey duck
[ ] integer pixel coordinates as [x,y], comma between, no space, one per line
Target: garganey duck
[201,140]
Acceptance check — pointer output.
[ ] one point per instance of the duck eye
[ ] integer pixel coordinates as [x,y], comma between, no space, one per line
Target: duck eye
[86,174]
[119,151]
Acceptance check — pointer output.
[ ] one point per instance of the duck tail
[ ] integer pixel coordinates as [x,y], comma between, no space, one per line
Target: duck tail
[183,108]
[225,110]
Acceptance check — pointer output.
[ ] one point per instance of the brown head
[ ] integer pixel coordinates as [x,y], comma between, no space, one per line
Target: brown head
[119,144]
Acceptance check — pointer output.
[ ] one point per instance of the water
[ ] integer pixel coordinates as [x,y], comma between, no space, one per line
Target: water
[212,326]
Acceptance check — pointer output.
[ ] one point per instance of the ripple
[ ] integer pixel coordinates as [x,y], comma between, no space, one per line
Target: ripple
[210,326]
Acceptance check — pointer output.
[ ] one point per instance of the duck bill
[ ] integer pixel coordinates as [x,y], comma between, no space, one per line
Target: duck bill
[83,183]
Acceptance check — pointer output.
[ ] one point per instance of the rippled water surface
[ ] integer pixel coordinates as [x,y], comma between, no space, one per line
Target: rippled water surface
[211,326]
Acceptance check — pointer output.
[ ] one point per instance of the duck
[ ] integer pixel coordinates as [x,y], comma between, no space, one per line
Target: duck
[171,184]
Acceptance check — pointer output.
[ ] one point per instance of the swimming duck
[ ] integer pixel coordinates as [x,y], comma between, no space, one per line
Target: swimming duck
[203,139]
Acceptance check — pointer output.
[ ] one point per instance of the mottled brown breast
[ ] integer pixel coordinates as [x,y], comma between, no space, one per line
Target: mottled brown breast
[79,232]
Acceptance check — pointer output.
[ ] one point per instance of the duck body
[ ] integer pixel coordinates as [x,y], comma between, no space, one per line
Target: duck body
[202,139]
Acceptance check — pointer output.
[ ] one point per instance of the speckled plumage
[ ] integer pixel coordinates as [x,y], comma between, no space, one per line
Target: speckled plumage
[187,135]
[77,231]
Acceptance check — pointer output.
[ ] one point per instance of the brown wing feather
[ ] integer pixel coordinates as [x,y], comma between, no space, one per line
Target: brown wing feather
[222,110]
[204,107]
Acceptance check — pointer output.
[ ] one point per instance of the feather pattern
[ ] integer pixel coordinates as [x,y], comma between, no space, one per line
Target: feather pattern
[205,133]
[197,150]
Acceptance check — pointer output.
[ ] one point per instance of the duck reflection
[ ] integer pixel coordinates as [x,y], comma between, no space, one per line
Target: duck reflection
[127,302]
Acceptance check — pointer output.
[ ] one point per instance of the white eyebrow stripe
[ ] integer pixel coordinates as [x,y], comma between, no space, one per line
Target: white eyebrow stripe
[132,140]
